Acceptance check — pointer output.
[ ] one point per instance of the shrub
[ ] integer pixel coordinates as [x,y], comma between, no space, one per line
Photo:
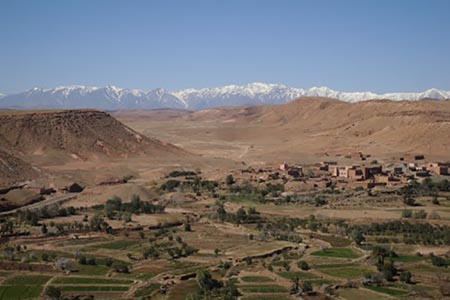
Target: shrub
[420,214]
[406,277]
[303,265]
[438,261]
[406,213]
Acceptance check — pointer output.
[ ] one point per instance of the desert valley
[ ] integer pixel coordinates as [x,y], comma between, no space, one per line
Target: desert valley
[312,199]
[224,150]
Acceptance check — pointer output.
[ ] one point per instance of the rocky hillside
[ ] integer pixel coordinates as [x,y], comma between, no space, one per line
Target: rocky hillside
[13,169]
[80,134]
[379,125]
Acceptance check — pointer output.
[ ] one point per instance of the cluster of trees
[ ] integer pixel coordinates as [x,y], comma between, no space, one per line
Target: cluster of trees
[210,288]
[196,183]
[413,233]
[32,217]
[385,262]
[241,216]
[418,214]
[282,229]
[85,260]
[95,223]
[428,187]
[10,253]
[386,268]
[439,261]
[117,266]
[115,208]
[299,288]
[316,200]
[257,194]
[7,227]
[174,248]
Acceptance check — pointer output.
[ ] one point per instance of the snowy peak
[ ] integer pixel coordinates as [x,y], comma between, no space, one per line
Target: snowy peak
[257,93]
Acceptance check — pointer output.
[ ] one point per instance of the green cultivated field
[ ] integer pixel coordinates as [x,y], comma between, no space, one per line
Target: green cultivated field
[114,245]
[90,280]
[337,252]
[256,279]
[345,272]
[301,275]
[388,291]
[266,298]
[263,289]
[23,287]
[20,292]
[96,270]
[145,291]
[27,280]
[92,288]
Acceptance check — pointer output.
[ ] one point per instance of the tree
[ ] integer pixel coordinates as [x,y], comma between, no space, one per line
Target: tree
[357,236]
[44,256]
[206,282]
[307,287]
[109,261]
[406,213]
[44,229]
[53,292]
[389,270]
[303,265]
[408,200]
[229,180]
[406,277]
[135,203]
[241,214]
[9,253]
[438,261]
[286,265]
[295,287]
[187,226]
[151,252]
[82,260]
[127,217]
[420,214]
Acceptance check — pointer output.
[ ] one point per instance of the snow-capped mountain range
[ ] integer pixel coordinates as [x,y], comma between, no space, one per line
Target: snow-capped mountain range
[111,97]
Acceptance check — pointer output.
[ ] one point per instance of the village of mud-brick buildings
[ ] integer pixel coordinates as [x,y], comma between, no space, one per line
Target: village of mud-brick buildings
[360,173]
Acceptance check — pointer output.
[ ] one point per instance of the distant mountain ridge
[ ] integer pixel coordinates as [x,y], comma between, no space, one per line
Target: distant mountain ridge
[113,98]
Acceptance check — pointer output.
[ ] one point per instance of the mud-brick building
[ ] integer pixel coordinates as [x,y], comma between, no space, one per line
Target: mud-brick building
[370,171]
[438,168]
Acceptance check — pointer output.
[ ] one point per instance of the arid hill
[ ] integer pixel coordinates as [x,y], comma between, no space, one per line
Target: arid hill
[13,169]
[311,126]
[81,134]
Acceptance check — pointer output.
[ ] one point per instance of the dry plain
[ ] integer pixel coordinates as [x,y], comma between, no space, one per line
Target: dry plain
[190,205]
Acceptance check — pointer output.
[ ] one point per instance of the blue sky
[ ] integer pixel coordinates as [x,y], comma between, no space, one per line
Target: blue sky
[381,46]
